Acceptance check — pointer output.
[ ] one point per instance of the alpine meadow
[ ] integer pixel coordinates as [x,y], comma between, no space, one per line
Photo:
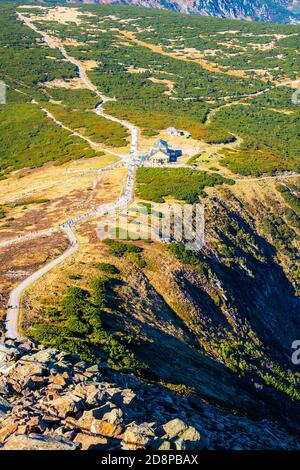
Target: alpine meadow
[126,131]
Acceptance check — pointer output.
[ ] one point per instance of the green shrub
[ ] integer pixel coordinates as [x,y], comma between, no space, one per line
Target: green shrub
[75,277]
[290,198]
[78,329]
[107,268]
[100,286]
[292,217]
[138,260]
[119,249]
[183,184]
[189,257]
[192,160]
[74,99]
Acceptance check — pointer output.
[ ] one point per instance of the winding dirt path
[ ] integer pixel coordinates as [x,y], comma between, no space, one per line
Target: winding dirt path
[14,298]
[77,134]
[12,330]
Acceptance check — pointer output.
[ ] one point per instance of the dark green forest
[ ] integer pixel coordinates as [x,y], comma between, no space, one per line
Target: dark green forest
[184,184]
[267,123]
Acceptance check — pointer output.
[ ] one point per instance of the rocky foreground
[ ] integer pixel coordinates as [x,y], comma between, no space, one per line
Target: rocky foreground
[54,401]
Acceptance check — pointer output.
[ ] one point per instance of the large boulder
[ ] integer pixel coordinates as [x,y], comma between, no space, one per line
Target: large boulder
[190,434]
[161,444]
[91,393]
[7,430]
[36,424]
[38,442]
[104,428]
[88,442]
[43,356]
[8,351]
[137,436]
[27,376]
[185,437]
[175,428]
[67,405]
[105,420]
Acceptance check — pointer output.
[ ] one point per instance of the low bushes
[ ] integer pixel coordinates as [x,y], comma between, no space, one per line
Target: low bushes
[107,268]
[76,327]
[184,184]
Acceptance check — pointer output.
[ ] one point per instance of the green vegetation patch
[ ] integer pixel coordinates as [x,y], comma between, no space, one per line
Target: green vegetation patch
[91,125]
[189,257]
[75,99]
[279,231]
[292,199]
[183,184]
[194,159]
[271,140]
[119,249]
[2,213]
[76,327]
[29,139]
[22,60]
[28,202]
[107,268]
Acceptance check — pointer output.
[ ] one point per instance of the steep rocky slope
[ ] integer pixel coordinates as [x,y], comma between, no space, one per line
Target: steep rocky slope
[54,401]
[258,10]
[220,322]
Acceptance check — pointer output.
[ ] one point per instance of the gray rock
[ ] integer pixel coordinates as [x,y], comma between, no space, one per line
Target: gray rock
[175,427]
[180,444]
[43,356]
[67,405]
[37,442]
[115,416]
[67,357]
[8,350]
[190,434]
[137,436]
[161,444]
[4,405]
[93,369]
[80,365]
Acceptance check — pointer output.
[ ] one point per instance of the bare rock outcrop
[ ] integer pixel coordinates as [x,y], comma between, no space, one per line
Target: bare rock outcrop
[51,400]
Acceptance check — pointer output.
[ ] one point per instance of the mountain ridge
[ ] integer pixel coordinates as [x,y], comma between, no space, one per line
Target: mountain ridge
[50,400]
[278,11]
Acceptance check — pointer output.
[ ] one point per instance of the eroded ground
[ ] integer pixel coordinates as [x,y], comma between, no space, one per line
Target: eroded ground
[43,198]
[24,259]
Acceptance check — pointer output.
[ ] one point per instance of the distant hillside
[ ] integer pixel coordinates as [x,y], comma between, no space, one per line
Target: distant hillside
[277,11]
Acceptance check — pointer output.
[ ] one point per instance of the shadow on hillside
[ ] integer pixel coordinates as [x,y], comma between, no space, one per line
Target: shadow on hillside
[267,300]
[175,362]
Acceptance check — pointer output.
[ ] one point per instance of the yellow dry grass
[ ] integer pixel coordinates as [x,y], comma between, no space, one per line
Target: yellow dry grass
[68,190]
[73,83]
[189,55]
[89,64]
[72,42]
[47,291]
[24,259]
[60,14]
[168,84]
[136,69]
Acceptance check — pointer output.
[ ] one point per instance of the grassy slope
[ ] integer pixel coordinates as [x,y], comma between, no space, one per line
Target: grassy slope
[28,138]
[234,48]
